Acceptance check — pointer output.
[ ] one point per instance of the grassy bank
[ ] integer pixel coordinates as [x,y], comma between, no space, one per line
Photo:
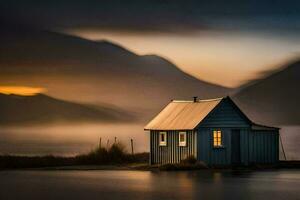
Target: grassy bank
[115,155]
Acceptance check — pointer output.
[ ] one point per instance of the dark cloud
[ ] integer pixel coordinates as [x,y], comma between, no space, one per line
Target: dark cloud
[154,15]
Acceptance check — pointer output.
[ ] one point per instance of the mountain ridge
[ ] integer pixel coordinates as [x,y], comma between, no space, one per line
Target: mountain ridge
[275,98]
[40,108]
[81,70]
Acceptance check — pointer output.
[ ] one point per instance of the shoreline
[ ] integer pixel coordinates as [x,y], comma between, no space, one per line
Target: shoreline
[147,167]
[138,166]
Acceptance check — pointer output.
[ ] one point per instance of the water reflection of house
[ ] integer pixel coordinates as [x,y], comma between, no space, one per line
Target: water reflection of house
[215,131]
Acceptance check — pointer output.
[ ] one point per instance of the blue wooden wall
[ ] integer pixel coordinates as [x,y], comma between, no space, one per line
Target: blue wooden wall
[210,155]
[263,146]
[256,146]
[226,114]
[224,117]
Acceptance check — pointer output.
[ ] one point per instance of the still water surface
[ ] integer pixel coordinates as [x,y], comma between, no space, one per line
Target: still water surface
[102,184]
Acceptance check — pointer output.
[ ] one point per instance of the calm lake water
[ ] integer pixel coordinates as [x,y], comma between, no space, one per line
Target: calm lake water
[102,184]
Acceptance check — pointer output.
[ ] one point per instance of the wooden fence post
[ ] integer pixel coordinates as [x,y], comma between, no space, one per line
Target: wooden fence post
[107,144]
[132,146]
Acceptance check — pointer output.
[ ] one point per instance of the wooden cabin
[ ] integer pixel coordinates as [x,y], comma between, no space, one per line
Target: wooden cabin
[214,131]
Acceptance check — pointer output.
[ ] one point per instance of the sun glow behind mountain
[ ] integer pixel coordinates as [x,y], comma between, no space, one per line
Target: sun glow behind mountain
[227,58]
[21,90]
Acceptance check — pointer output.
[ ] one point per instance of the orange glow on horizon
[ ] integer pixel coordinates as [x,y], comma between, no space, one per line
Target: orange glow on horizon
[21,90]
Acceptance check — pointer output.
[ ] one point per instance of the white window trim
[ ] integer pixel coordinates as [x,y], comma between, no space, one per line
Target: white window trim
[183,143]
[162,143]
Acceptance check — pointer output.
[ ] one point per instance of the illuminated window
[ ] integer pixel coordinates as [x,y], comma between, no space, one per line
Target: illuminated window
[217,136]
[182,139]
[163,139]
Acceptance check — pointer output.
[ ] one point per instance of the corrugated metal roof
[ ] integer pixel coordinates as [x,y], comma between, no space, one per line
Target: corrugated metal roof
[182,115]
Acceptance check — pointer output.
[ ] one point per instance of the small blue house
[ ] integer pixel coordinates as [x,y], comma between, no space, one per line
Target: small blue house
[214,131]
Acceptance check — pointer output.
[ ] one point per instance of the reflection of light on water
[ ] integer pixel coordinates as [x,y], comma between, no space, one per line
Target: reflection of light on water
[291,176]
[187,184]
[217,176]
[111,184]
[176,185]
[139,181]
[184,180]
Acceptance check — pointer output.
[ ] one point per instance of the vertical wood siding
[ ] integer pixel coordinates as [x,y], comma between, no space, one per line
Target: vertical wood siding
[172,153]
[210,155]
[263,147]
[225,115]
[255,146]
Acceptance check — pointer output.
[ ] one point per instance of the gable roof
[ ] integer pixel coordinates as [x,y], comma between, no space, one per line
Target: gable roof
[187,115]
[182,115]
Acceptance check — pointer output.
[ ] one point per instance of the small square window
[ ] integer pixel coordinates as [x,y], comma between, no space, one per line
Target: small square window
[217,138]
[182,139]
[163,139]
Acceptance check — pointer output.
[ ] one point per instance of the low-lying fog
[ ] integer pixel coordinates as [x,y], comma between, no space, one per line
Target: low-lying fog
[81,138]
[69,139]
[291,141]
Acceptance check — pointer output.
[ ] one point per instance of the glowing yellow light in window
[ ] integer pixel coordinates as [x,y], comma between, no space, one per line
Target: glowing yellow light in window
[217,138]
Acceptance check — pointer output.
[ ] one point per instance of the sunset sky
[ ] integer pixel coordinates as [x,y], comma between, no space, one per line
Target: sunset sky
[224,43]
[21,90]
[227,58]
[51,47]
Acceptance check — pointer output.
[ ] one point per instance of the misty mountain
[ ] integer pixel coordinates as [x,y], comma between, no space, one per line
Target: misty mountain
[16,110]
[274,99]
[80,70]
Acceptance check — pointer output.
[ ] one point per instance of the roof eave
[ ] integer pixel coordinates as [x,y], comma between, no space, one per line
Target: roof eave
[269,127]
[146,129]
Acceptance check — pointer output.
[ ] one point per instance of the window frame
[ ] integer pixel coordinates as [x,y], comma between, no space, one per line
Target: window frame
[217,139]
[184,143]
[162,143]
